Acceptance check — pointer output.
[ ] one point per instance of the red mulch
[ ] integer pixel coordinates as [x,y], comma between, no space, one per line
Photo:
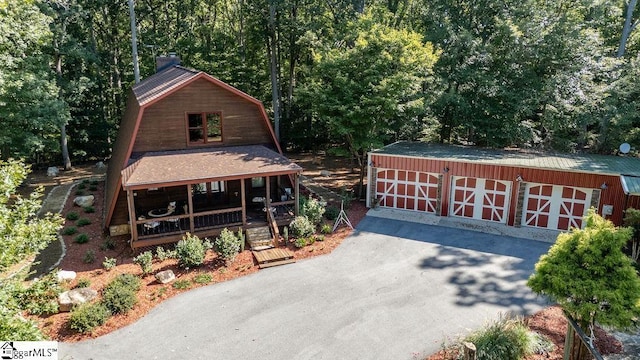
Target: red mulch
[152,293]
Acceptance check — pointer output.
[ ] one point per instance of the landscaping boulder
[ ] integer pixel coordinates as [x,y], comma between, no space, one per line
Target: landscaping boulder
[100,165]
[165,277]
[66,275]
[68,299]
[53,171]
[83,200]
[325,173]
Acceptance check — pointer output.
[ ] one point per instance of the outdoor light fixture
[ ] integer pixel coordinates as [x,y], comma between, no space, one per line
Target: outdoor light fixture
[445,170]
[604,186]
[519,178]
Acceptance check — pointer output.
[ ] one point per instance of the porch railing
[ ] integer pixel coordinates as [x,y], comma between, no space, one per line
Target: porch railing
[176,224]
[217,218]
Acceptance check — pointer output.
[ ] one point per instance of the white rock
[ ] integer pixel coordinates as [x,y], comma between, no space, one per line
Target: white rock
[165,277]
[326,173]
[100,165]
[53,171]
[68,299]
[66,275]
[83,200]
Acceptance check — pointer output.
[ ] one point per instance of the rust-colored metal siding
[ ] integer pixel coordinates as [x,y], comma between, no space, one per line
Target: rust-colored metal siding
[613,195]
[163,123]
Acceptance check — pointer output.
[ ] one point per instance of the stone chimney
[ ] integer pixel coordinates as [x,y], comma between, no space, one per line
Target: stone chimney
[165,62]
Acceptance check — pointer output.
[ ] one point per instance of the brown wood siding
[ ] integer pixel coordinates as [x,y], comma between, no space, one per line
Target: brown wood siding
[121,210]
[613,195]
[119,157]
[163,124]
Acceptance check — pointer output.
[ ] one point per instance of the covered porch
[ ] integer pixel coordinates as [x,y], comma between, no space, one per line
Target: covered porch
[206,190]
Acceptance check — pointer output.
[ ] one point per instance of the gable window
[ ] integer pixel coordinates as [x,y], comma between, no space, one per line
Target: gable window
[204,128]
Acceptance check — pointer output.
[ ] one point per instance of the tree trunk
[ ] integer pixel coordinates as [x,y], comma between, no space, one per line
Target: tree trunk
[66,159]
[628,27]
[273,55]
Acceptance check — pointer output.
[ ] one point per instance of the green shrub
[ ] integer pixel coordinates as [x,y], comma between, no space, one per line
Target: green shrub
[93,182]
[82,185]
[80,192]
[506,338]
[162,254]
[227,245]
[88,316]
[313,210]
[318,237]
[120,295]
[17,328]
[70,230]
[83,283]
[127,280]
[84,182]
[93,187]
[109,263]
[202,279]
[182,284]
[301,227]
[41,297]
[81,239]
[300,242]
[72,215]
[83,222]
[145,260]
[191,251]
[326,229]
[347,196]
[89,209]
[331,213]
[89,257]
[108,244]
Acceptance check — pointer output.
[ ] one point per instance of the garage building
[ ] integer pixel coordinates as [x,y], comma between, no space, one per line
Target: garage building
[512,187]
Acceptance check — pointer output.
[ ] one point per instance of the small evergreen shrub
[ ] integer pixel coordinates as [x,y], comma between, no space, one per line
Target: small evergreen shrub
[81,239]
[89,209]
[82,185]
[301,227]
[127,280]
[72,215]
[41,297]
[162,254]
[325,229]
[108,244]
[109,263]
[318,237]
[83,283]
[80,192]
[347,197]
[145,260]
[300,242]
[70,230]
[88,316]
[202,279]
[313,210]
[120,295]
[93,182]
[84,182]
[191,250]
[227,245]
[83,222]
[89,257]
[182,284]
[331,213]
[93,188]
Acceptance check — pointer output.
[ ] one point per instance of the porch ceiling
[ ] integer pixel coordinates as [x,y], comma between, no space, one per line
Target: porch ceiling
[185,166]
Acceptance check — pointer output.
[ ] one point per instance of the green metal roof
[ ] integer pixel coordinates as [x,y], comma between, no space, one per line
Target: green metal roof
[631,185]
[601,164]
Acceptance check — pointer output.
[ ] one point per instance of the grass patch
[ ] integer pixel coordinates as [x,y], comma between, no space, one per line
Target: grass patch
[202,279]
[182,284]
[89,257]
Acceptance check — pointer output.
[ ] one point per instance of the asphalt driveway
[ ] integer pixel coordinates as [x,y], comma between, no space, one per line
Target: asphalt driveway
[393,290]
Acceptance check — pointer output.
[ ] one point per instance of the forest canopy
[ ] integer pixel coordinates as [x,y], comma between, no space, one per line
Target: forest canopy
[548,75]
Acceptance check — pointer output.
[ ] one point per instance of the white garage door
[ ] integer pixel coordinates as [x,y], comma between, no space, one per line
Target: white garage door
[481,199]
[555,207]
[410,190]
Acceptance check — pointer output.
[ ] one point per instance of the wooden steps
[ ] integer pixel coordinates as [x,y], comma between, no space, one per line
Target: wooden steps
[259,238]
[273,257]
